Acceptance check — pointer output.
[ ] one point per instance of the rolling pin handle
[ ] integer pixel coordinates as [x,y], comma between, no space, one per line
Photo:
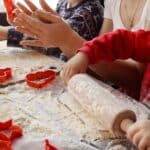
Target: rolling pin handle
[125,124]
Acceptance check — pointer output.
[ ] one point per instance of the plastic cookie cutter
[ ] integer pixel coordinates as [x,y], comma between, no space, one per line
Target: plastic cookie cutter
[9,5]
[40,79]
[8,133]
[49,146]
[5,74]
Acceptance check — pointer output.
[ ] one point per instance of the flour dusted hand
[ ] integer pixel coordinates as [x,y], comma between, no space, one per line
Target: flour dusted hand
[77,64]
[139,134]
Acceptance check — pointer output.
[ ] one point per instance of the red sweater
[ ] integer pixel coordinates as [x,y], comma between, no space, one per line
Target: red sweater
[122,44]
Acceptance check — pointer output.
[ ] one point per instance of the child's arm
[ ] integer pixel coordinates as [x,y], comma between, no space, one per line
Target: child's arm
[120,44]
[77,64]
[139,134]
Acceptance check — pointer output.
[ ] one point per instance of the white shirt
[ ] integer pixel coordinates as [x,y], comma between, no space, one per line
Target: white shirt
[112,11]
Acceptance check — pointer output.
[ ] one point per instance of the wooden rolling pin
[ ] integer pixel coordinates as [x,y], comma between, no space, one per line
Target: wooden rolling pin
[109,106]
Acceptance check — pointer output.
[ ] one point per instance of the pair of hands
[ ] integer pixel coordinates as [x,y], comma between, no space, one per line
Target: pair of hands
[45,26]
[48,30]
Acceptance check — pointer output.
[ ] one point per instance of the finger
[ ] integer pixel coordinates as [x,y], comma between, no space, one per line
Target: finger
[16,11]
[132,131]
[24,9]
[61,74]
[65,73]
[47,17]
[46,7]
[31,5]
[136,138]
[30,23]
[71,73]
[28,32]
[36,43]
[143,144]
[18,22]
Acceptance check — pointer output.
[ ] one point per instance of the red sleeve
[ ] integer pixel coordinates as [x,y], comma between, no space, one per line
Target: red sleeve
[120,44]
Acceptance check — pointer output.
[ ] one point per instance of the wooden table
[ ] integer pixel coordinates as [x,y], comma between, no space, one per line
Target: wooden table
[50,112]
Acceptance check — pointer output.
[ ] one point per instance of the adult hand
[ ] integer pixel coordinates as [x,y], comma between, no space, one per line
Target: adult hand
[24,9]
[19,7]
[33,8]
[46,7]
[51,31]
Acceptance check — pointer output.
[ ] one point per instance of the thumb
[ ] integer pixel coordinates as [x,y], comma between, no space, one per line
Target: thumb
[47,17]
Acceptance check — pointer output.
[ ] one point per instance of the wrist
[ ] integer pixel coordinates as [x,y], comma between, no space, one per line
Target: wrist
[3,33]
[84,57]
[74,42]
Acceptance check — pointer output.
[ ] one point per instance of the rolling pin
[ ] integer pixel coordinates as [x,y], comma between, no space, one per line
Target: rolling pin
[110,107]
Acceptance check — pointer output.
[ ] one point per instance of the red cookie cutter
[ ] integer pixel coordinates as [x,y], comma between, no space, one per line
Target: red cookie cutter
[8,133]
[9,5]
[40,79]
[49,146]
[5,74]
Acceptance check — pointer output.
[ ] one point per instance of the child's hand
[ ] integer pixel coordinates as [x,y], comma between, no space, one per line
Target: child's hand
[77,64]
[139,134]
[53,33]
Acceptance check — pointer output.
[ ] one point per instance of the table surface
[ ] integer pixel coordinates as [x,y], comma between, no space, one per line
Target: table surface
[50,112]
